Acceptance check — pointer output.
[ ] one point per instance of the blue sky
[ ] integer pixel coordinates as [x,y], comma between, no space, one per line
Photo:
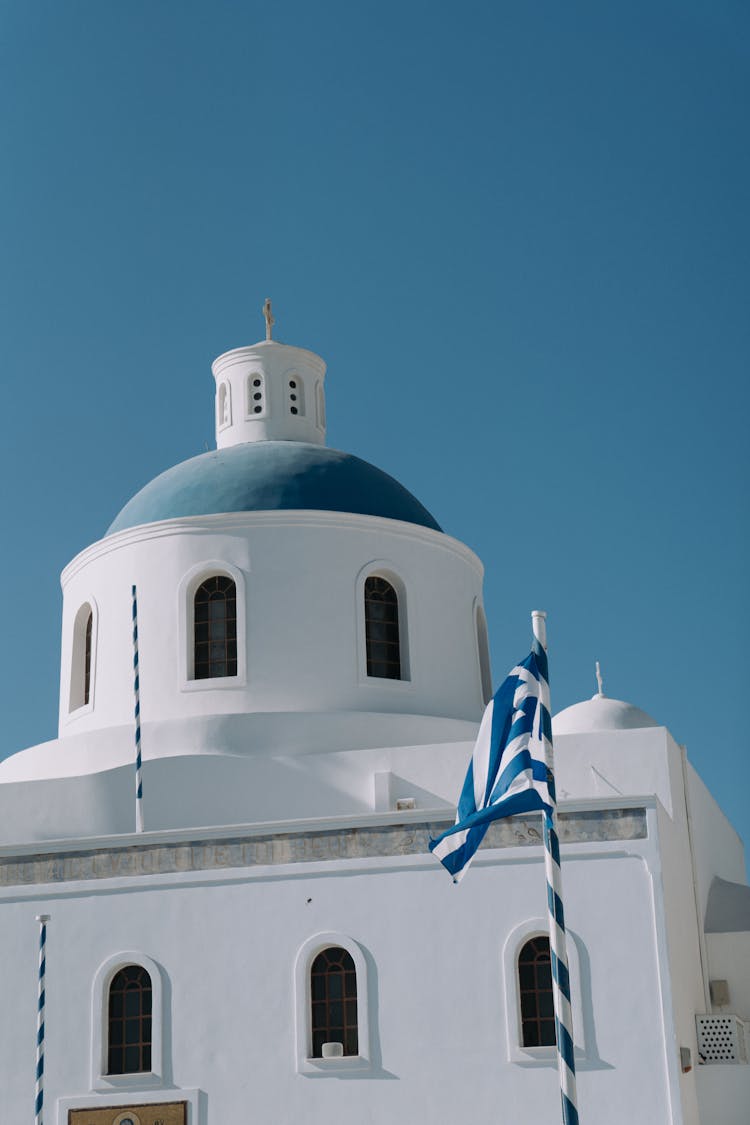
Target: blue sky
[518,233]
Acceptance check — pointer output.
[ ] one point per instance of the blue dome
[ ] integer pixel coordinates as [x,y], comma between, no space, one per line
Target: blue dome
[269,476]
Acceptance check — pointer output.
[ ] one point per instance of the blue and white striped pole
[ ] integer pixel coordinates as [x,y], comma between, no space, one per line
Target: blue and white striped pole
[42,919]
[137,695]
[558,953]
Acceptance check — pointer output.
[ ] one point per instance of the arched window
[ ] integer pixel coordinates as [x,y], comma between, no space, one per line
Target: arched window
[215,628]
[382,642]
[333,1001]
[535,992]
[87,658]
[82,656]
[224,406]
[483,651]
[320,406]
[129,1022]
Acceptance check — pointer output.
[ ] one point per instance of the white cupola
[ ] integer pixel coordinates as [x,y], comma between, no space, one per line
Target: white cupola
[269,392]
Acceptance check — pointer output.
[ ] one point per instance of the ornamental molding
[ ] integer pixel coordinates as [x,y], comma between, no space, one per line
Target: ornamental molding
[241,521]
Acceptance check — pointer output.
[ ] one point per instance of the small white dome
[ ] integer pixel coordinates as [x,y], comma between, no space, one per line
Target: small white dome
[600,714]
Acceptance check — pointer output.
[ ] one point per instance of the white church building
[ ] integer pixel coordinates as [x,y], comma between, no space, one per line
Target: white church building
[278,946]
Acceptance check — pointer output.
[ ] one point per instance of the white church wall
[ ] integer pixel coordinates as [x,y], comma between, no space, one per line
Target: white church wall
[683,961]
[308,755]
[724,1094]
[227,943]
[718,848]
[609,764]
[276,770]
[729,960]
[301,614]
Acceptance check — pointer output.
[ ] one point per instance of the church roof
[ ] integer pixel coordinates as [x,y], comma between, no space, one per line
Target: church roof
[600,714]
[272,476]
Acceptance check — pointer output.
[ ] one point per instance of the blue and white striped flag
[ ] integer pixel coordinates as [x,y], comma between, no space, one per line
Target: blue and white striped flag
[508,772]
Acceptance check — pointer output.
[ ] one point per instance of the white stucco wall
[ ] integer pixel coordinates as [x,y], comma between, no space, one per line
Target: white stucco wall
[227,943]
[613,763]
[724,1095]
[718,848]
[729,960]
[301,630]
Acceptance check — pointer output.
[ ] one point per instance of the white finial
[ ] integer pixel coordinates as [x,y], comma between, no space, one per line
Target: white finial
[269,317]
[539,626]
[599,678]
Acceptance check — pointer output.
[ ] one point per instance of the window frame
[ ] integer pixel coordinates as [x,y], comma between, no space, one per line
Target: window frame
[382,568]
[296,409]
[320,406]
[100,1078]
[142,986]
[225,386]
[221,591]
[344,968]
[306,1062]
[77,649]
[535,991]
[484,661]
[250,403]
[186,632]
[547,1055]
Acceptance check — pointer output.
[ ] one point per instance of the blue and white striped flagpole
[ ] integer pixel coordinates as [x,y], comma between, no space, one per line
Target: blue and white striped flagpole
[137,694]
[559,957]
[42,919]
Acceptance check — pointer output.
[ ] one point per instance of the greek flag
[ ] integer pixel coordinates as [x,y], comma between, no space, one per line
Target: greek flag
[508,772]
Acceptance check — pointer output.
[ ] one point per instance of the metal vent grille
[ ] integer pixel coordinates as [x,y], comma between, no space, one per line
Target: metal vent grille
[721,1039]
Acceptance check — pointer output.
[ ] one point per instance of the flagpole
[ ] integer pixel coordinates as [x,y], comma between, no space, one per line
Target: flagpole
[42,919]
[558,953]
[136,693]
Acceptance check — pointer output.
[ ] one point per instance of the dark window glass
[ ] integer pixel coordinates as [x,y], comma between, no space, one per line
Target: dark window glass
[215,630]
[535,990]
[87,660]
[381,629]
[333,996]
[129,1022]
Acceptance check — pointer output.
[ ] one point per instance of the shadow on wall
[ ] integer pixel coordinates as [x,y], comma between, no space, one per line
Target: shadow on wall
[590,1059]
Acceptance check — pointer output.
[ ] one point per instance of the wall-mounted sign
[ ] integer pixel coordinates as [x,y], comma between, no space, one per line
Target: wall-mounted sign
[159,1113]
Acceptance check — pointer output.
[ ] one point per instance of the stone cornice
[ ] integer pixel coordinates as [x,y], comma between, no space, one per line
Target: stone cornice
[248,850]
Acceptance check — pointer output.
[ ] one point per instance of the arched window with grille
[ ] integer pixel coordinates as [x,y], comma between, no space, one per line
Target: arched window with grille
[129,1026]
[215,628]
[382,635]
[333,1001]
[535,993]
